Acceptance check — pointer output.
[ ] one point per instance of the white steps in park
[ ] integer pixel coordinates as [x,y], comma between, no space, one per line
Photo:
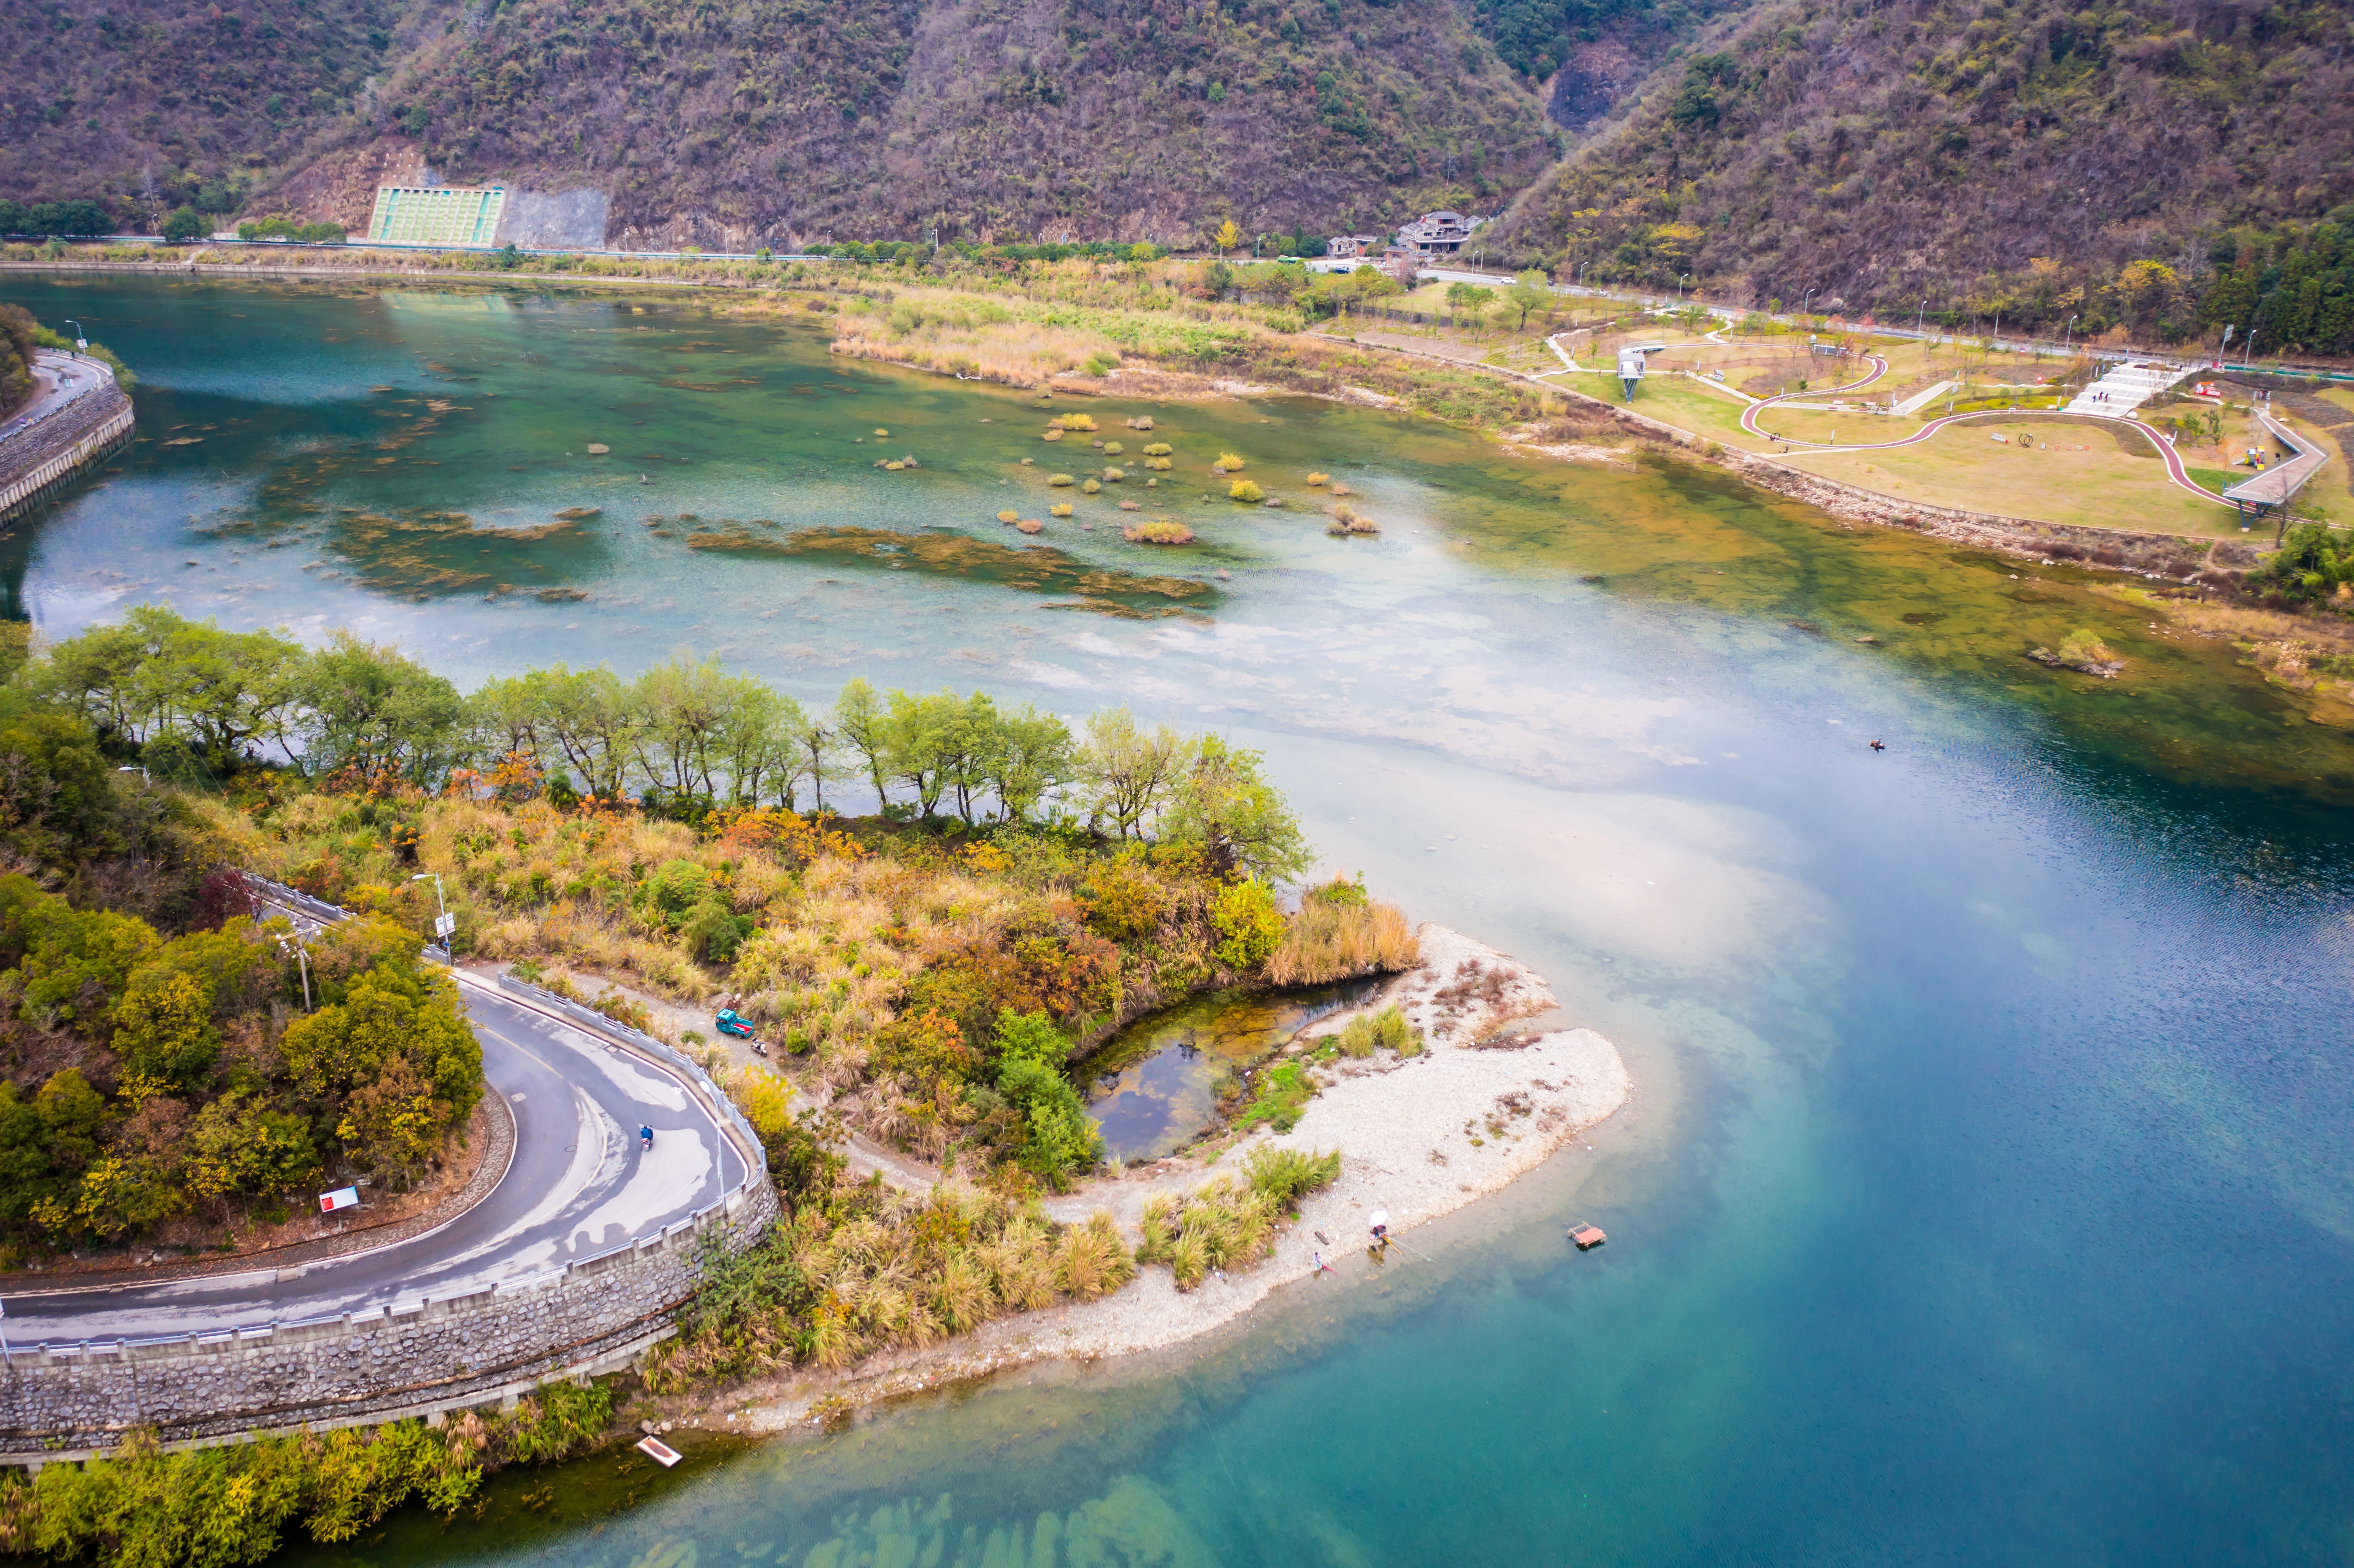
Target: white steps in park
[2127,388]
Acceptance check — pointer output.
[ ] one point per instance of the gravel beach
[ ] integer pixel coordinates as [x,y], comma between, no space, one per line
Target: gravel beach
[1418,1137]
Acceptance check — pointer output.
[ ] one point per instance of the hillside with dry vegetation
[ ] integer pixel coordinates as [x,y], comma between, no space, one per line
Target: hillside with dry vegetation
[780,121]
[2157,168]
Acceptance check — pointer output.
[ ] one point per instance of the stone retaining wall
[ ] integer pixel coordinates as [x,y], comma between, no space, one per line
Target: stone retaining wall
[410,1359]
[44,454]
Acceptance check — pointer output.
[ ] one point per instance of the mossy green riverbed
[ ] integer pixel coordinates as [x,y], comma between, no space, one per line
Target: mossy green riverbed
[1984,1195]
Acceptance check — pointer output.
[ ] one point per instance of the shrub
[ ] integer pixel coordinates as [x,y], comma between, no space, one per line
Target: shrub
[1059,480]
[1284,1175]
[1113,449]
[1158,448]
[1085,422]
[1114,475]
[1319,479]
[1161,464]
[1009,515]
[1249,925]
[1092,487]
[1346,521]
[1244,489]
[1227,462]
[1057,1138]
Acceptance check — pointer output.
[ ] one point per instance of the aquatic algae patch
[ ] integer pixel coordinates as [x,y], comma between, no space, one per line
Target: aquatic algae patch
[1034,568]
[419,555]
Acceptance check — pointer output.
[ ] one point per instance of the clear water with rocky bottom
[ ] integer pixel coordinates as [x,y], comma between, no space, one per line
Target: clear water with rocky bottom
[1984,1195]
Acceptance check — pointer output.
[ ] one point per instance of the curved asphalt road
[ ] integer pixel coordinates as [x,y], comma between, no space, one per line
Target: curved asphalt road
[578,1185]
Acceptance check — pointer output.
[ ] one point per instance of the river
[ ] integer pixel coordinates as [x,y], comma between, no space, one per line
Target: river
[1984,1195]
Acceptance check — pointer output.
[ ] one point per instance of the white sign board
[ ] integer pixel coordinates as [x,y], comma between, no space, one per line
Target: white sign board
[444,923]
[341,1198]
[659,1452]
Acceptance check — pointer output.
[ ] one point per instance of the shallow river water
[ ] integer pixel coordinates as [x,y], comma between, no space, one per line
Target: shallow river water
[1984,1195]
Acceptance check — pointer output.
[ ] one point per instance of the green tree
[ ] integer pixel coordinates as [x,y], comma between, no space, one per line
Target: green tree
[1223,802]
[240,1147]
[861,720]
[1128,771]
[1528,293]
[164,1027]
[375,713]
[1034,755]
[183,225]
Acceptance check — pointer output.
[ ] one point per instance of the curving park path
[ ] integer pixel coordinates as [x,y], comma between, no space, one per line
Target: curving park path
[576,1185]
[2174,471]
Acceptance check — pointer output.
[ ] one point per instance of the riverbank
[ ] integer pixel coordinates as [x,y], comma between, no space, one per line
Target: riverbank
[1419,1136]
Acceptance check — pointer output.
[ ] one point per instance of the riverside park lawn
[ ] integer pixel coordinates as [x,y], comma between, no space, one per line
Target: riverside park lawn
[2083,477]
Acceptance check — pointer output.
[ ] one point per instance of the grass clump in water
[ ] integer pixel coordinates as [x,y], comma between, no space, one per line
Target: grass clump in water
[1244,489]
[1158,448]
[1093,487]
[1319,479]
[1060,509]
[1229,463]
[1160,531]
[1060,480]
[1348,520]
[1009,515]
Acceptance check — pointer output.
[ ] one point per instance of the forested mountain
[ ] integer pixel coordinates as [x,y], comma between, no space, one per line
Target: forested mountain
[2127,162]
[777,120]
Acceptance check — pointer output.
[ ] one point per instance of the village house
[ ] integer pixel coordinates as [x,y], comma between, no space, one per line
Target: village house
[1353,245]
[1436,234]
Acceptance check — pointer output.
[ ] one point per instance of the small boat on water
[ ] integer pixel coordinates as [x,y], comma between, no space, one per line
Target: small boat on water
[1587,1238]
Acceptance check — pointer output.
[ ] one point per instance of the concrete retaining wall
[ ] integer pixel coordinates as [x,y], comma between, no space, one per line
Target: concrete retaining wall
[41,455]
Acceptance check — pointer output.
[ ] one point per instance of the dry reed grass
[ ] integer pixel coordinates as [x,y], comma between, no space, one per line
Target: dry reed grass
[1337,938]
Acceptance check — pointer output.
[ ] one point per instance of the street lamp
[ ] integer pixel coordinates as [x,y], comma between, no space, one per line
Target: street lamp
[1919,313]
[1809,295]
[81,334]
[1582,266]
[2068,336]
[1681,278]
[302,962]
[442,924]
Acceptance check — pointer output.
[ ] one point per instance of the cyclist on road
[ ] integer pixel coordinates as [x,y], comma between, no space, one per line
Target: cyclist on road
[646,1139]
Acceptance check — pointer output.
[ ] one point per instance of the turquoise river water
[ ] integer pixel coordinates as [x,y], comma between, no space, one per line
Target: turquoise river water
[1985,1196]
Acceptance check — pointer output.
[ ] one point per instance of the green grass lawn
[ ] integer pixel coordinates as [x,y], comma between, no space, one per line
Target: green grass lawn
[2083,478]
